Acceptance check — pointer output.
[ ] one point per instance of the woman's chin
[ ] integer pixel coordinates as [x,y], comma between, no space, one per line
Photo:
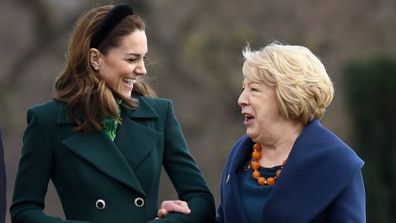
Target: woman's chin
[250,134]
[126,94]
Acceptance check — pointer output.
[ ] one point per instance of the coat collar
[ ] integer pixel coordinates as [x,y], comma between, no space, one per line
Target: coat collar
[134,139]
[144,110]
[319,167]
[317,153]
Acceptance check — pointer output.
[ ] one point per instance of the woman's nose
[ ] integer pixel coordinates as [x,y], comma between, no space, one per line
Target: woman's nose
[242,100]
[141,68]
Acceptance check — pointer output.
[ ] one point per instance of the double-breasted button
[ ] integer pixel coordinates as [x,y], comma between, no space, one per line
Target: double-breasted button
[100,204]
[139,202]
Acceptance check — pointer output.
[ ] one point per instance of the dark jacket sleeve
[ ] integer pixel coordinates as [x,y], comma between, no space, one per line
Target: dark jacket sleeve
[33,175]
[2,183]
[185,176]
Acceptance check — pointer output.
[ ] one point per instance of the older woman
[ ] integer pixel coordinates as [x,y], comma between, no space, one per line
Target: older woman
[288,167]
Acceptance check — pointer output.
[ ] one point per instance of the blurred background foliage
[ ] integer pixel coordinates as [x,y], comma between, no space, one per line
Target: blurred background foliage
[370,85]
[195,59]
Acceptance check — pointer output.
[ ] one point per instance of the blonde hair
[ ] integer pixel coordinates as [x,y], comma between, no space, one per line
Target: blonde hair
[303,87]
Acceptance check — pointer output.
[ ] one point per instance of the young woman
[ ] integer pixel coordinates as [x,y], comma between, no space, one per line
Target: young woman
[103,139]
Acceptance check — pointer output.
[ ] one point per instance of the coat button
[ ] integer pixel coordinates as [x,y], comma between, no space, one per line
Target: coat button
[100,204]
[139,202]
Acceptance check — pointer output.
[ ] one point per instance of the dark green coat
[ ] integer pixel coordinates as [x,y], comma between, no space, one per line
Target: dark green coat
[101,181]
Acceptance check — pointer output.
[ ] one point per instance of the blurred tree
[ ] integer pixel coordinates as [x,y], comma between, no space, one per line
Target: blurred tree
[370,86]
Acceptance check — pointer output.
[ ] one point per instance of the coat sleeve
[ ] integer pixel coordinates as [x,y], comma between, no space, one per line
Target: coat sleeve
[185,176]
[350,205]
[33,175]
[2,183]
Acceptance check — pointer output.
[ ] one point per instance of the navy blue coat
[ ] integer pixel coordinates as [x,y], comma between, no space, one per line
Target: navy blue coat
[2,183]
[320,182]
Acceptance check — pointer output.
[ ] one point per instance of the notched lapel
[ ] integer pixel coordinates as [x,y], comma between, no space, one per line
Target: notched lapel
[134,137]
[136,141]
[96,148]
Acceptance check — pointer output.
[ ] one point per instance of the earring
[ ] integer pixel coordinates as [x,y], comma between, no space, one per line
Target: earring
[96,67]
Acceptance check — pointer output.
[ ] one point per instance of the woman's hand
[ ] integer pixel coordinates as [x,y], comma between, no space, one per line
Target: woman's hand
[173,206]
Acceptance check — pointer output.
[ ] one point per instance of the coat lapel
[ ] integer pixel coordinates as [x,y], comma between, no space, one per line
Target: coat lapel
[318,168]
[134,139]
[312,176]
[236,162]
[97,149]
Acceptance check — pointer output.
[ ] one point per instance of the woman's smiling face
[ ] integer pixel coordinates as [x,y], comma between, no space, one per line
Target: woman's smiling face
[260,109]
[123,64]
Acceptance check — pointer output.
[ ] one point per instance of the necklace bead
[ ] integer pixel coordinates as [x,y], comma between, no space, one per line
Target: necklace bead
[255,165]
[257,147]
[256,155]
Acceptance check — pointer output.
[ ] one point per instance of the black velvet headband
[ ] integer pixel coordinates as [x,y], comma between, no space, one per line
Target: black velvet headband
[113,17]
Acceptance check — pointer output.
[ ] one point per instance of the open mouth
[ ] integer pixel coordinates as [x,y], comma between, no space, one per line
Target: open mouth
[248,118]
[129,81]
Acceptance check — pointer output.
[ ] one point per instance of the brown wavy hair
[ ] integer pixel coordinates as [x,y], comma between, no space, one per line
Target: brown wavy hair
[88,97]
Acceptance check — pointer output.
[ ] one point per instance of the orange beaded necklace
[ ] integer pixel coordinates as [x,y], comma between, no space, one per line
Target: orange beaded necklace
[255,165]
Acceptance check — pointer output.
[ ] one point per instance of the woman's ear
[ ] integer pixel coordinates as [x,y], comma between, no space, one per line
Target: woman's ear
[94,58]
